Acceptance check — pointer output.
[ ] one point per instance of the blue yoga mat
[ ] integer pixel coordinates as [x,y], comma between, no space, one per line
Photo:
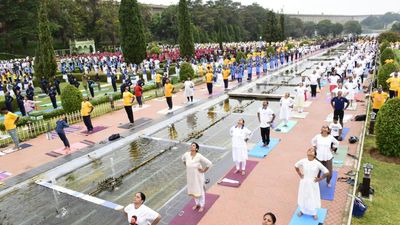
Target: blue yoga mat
[307,219]
[328,193]
[324,83]
[259,151]
[282,129]
[345,131]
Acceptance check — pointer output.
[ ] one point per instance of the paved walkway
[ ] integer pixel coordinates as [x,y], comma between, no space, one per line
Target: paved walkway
[273,184]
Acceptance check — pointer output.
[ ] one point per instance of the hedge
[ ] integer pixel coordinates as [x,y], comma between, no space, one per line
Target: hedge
[384,74]
[384,45]
[71,98]
[387,54]
[186,71]
[387,128]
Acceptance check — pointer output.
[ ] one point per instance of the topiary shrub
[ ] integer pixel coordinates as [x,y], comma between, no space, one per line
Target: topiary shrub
[71,98]
[384,45]
[384,74]
[387,128]
[387,54]
[186,71]
[389,36]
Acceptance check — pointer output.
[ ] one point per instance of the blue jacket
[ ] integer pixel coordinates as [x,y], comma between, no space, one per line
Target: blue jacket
[60,125]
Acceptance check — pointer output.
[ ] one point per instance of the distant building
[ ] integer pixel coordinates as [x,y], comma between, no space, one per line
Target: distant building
[82,47]
[333,18]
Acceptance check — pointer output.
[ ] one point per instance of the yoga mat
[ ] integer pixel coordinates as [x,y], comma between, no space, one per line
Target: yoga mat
[346,118]
[11,150]
[88,142]
[359,97]
[295,114]
[353,107]
[137,108]
[67,130]
[307,219]
[188,216]
[282,129]
[53,154]
[140,122]
[307,104]
[50,104]
[345,131]
[95,129]
[238,176]
[260,152]
[326,192]
[74,147]
[4,175]
[339,157]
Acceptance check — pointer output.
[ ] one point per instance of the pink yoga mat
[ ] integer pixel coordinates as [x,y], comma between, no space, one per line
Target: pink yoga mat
[95,129]
[188,216]
[238,176]
[74,147]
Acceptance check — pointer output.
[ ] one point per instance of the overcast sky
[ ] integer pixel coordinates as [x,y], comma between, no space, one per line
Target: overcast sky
[337,7]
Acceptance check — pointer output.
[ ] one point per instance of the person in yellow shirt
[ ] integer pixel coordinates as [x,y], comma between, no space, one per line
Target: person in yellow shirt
[86,109]
[201,70]
[10,121]
[209,81]
[225,76]
[168,89]
[158,80]
[128,99]
[378,99]
[394,84]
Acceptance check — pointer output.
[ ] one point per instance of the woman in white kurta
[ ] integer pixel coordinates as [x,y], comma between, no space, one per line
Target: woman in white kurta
[309,198]
[189,89]
[351,89]
[299,98]
[196,166]
[286,103]
[240,134]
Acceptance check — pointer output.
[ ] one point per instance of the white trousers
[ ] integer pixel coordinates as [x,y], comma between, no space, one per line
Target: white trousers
[201,200]
[243,165]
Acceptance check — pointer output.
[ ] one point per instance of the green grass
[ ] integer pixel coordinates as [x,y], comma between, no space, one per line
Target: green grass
[397,52]
[384,209]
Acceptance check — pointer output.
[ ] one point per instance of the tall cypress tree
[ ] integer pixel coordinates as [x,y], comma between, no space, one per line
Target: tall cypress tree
[45,61]
[132,32]
[186,44]
[282,27]
[272,33]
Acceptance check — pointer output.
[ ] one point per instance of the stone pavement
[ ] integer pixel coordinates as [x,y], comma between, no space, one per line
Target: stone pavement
[273,184]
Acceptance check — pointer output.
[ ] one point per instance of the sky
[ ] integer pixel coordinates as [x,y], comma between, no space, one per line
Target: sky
[327,7]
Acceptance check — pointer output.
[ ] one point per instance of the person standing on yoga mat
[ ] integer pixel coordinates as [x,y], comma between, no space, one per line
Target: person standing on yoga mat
[309,197]
[196,165]
[240,134]
[168,89]
[144,215]
[266,117]
[313,78]
[338,106]
[86,109]
[286,104]
[128,98]
[60,125]
[324,143]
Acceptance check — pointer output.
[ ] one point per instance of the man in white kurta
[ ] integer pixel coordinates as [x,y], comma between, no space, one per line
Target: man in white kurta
[309,198]
[286,105]
[239,135]
[195,167]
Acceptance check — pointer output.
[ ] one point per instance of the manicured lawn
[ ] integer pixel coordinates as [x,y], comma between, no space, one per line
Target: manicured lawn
[385,207]
[397,52]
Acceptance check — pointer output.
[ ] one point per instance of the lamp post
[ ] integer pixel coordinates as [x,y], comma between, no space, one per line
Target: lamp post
[365,188]
[371,129]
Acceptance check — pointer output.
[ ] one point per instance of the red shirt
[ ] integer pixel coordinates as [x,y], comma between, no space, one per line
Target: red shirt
[138,90]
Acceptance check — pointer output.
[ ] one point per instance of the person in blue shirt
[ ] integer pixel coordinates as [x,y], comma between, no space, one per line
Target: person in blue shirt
[338,106]
[249,70]
[60,125]
[258,69]
[233,71]
[265,65]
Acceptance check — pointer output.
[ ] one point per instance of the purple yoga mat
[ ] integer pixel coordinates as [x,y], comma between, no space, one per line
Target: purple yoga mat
[238,176]
[95,129]
[188,216]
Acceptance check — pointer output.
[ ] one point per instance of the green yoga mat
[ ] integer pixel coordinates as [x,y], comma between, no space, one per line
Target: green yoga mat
[339,157]
[282,129]
[50,104]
